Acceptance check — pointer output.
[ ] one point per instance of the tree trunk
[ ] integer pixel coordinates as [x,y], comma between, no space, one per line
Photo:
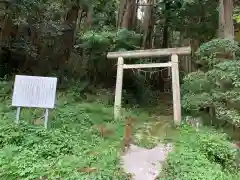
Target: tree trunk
[71,20]
[228,13]
[221,19]
[134,16]
[68,39]
[127,14]
[226,27]
[148,24]
[89,17]
[165,34]
[226,30]
[165,28]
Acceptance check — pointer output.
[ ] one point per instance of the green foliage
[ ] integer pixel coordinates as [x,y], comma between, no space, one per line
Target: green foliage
[71,143]
[95,40]
[236,14]
[193,102]
[109,40]
[203,14]
[97,43]
[218,85]
[237,18]
[47,36]
[218,46]
[196,82]
[42,31]
[127,39]
[203,155]
[5,89]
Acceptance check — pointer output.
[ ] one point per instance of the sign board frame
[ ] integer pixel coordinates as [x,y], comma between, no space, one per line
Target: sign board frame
[34,92]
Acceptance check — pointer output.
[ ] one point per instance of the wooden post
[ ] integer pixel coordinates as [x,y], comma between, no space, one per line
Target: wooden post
[46,118]
[118,90]
[176,90]
[18,114]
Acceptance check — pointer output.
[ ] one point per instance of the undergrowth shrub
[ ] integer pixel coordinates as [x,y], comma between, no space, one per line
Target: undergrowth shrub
[218,149]
[98,69]
[216,84]
[188,164]
[5,89]
[71,143]
[200,156]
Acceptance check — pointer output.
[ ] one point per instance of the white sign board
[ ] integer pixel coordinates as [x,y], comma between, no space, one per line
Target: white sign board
[34,91]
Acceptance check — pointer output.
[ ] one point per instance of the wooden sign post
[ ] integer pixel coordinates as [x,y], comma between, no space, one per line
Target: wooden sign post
[34,92]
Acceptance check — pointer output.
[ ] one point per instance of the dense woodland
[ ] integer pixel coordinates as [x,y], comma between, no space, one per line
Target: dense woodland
[70,39]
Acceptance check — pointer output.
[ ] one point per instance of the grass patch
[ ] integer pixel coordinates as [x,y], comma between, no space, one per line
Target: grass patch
[203,155]
[72,148]
[71,144]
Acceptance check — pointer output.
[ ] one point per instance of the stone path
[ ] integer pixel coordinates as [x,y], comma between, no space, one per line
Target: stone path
[145,164]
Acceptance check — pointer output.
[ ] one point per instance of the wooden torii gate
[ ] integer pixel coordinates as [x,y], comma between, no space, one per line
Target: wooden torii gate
[173,52]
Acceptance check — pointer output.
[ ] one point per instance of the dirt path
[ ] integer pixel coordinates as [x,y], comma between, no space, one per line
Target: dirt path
[146,163]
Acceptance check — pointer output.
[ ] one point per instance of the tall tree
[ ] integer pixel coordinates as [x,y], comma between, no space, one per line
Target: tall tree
[148,24]
[226,26]
[127,14]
